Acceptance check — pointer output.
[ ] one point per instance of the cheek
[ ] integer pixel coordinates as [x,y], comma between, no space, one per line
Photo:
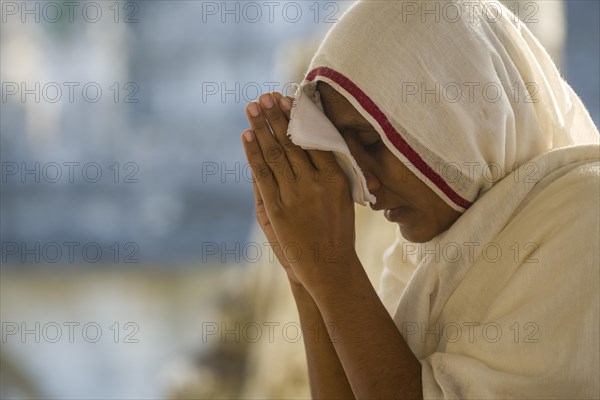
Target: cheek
[356,149]
[428,215]
[398,177]
[404,181]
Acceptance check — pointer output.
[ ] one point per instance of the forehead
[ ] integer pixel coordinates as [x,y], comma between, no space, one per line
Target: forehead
[339,110]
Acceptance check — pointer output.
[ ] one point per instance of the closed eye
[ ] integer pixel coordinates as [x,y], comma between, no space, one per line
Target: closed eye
[374,144]
[370,139]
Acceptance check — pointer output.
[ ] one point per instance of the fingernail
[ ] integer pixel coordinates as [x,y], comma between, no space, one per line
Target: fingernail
[267,101]
[253,108]
[247,136]
[286,103]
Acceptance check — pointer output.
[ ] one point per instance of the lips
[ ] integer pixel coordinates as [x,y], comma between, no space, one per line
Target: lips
[393,214]
[375,208]
[380,207]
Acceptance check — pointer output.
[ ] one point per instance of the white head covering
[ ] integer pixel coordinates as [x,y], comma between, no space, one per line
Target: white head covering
[461,92]
[465,96]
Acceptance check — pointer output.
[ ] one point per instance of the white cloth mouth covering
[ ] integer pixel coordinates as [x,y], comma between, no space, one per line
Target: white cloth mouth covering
[310,129]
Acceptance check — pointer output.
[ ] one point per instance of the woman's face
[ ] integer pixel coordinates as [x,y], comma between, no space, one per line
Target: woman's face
[407,201]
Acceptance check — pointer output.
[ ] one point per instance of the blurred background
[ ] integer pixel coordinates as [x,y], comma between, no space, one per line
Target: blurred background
[131,264]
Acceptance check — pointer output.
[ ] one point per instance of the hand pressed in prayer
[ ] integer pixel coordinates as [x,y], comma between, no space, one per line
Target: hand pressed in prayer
[303,199]
[265,224]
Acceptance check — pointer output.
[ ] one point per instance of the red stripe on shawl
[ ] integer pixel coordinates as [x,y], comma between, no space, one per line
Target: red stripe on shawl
[392,134]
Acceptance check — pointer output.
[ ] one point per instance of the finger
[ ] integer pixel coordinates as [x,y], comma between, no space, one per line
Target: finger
[285,102]
[262,175]
[265,224]
[279,125]
[261,212]
[273,153]
[257,197]
[323,160]
[317,157]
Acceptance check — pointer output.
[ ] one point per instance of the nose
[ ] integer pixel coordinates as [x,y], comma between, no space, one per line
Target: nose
[373,184]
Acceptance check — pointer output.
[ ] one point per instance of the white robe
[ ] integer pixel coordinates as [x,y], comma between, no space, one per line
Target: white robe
[517,315]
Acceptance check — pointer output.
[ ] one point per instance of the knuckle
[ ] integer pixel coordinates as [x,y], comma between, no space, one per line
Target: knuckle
[274,116]
[253,153]
[262,172]
[320,190]
[295,170]
[288,144]
[259,123]
[274,153]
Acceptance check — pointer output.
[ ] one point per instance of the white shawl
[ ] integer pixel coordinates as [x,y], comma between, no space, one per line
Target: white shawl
[505,303]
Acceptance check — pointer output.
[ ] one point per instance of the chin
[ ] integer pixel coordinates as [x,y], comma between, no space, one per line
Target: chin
[416,234]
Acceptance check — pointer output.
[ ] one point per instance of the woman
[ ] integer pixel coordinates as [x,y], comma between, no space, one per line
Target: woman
[460,127]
